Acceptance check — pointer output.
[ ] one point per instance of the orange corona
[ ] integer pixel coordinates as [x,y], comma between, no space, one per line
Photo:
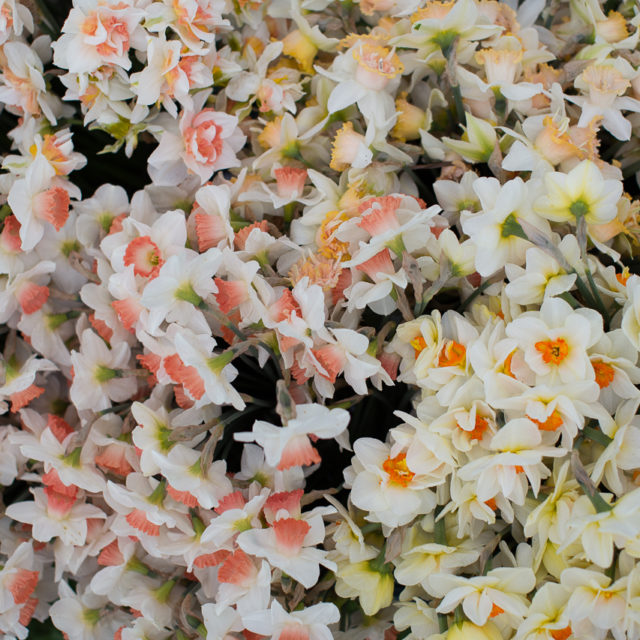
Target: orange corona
[605,373]
[553,422]
[553,351]
[398,470]
[561,634]
[419,344]
[453,354]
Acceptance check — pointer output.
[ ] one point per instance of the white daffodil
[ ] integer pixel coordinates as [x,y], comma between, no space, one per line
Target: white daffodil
[583,192]
[385,486]
[495,230]
[555,340]
[515,465]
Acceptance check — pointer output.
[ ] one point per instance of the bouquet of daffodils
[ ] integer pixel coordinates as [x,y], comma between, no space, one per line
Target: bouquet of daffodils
[320,319]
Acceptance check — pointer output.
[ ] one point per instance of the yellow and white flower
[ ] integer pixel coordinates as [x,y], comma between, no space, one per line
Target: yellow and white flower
[581,193]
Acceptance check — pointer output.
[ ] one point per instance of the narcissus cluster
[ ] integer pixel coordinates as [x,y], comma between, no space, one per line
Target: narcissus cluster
[320,319]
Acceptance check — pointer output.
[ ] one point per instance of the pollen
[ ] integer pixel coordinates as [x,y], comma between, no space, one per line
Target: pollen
[553,351]
[398,470]
[453,354]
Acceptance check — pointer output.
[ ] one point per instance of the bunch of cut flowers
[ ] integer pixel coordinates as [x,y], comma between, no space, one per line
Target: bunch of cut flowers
[319,319]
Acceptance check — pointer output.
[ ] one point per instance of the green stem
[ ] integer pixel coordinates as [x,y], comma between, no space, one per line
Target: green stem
[457,101]
[289,210]
[567,297]
[584,290]
[443,278]
[370,527]
[589,488]
[597,436]
[50,25]
[439,529]
[598,300]
[115,408]
[611,569]
[465,303]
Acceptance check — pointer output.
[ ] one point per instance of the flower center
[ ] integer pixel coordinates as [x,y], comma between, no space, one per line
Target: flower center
[453,354]
[605,373]
[623,277]
[378,60]
[506,366]
[398,470]
[419,344]
[481,425]
[561,634]
[328,245]
[144,255]
[579,208]
[553,422]
[553,351]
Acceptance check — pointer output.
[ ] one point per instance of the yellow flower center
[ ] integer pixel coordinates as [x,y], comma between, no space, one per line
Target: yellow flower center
[555,142]
[269,138]
[320,270]
[328,245]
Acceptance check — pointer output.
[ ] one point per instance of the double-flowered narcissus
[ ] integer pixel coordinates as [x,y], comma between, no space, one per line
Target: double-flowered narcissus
[320,319]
